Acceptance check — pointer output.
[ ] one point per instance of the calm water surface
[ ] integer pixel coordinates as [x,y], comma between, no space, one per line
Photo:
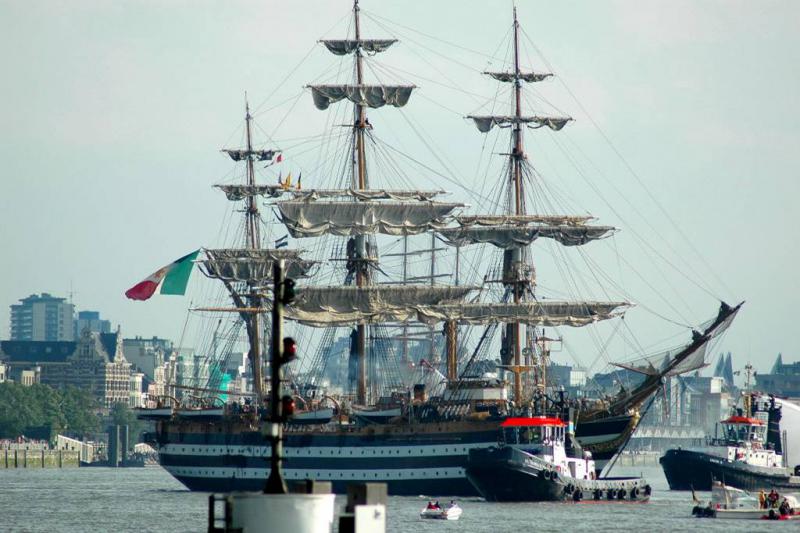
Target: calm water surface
[148,499]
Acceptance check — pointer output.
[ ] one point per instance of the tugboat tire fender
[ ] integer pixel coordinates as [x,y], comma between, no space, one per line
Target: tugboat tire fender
[597,494]
[554,475]
[648,490]
[634,493]
[611,494]
[569,489]
[621,494]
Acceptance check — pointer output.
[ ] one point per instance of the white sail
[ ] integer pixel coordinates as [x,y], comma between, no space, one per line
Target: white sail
[498,220]
[240,192]
[342,47]
[530,77]
[255,155]
[515,236]
[366,194]
[540,313]
[348,305]
[684,358]
[364,95]
[343,306]
[485,123]
[251,265]
[311,219]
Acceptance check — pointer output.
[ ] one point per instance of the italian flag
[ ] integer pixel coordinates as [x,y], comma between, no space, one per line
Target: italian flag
[173,279]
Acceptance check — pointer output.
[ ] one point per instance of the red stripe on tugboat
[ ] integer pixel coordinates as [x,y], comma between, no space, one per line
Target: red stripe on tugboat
[533,421]
[743,420]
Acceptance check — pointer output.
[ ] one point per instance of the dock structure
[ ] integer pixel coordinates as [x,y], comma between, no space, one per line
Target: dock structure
[39,458]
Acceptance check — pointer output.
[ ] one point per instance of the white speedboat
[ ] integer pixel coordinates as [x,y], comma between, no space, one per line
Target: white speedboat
[732,503]
[451,512]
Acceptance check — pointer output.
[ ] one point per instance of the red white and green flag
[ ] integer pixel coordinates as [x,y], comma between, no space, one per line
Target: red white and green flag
[172,278]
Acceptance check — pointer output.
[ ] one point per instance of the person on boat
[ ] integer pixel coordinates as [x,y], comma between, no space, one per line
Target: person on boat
[436,505]
[430,505]
[453,504]
[773,499]
[784,508]
[762,499]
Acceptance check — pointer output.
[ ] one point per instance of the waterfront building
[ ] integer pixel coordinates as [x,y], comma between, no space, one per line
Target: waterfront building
[95,362]
[783,380]
[147,354]
[572,378]
[42,318]
[91,320]
[3,369]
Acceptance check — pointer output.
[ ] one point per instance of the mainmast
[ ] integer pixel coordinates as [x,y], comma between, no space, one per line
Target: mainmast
[362,272]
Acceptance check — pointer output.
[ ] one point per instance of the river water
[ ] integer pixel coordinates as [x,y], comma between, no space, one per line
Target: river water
[148,499]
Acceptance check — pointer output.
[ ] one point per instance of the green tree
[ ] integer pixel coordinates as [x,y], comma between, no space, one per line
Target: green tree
[123,415]
[39,405]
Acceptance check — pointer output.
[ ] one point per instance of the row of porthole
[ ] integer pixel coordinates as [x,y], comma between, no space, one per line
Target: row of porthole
[341,475]
[363,452]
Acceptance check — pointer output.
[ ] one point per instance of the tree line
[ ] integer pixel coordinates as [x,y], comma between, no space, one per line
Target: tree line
[70,410]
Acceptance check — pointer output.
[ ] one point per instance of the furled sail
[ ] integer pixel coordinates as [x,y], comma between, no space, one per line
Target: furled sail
[539,313]
[311,219]
[255,266]
[348,305]
[486,122]
[342,47]
[365,95]
[255,155]
[530,77]
[497,220]
[366,194]
[240,192]
[513,236]
[685,358]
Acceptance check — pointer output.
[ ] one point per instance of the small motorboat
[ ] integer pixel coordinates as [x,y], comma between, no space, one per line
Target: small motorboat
[729,502]
[451,512]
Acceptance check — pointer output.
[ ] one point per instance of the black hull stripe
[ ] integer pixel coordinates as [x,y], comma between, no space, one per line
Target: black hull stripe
[427,487]
[324,463]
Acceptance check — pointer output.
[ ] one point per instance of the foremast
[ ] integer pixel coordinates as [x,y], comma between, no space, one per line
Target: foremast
[516,230]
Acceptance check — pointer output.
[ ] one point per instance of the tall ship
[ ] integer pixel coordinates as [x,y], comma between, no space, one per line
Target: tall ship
[402,418]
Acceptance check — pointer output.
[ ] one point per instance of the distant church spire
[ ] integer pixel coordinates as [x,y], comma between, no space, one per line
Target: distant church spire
[776,368]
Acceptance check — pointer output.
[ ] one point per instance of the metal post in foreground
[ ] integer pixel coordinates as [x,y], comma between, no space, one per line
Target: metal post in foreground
[275,483]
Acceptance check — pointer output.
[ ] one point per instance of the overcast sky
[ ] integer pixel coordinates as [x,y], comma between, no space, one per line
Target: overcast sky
[113,114]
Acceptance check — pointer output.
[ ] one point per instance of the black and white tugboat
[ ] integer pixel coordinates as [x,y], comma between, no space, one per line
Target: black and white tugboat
[539,459]
[748,455]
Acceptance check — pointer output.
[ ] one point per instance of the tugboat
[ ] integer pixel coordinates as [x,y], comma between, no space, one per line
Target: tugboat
[539,459]
[748,455]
